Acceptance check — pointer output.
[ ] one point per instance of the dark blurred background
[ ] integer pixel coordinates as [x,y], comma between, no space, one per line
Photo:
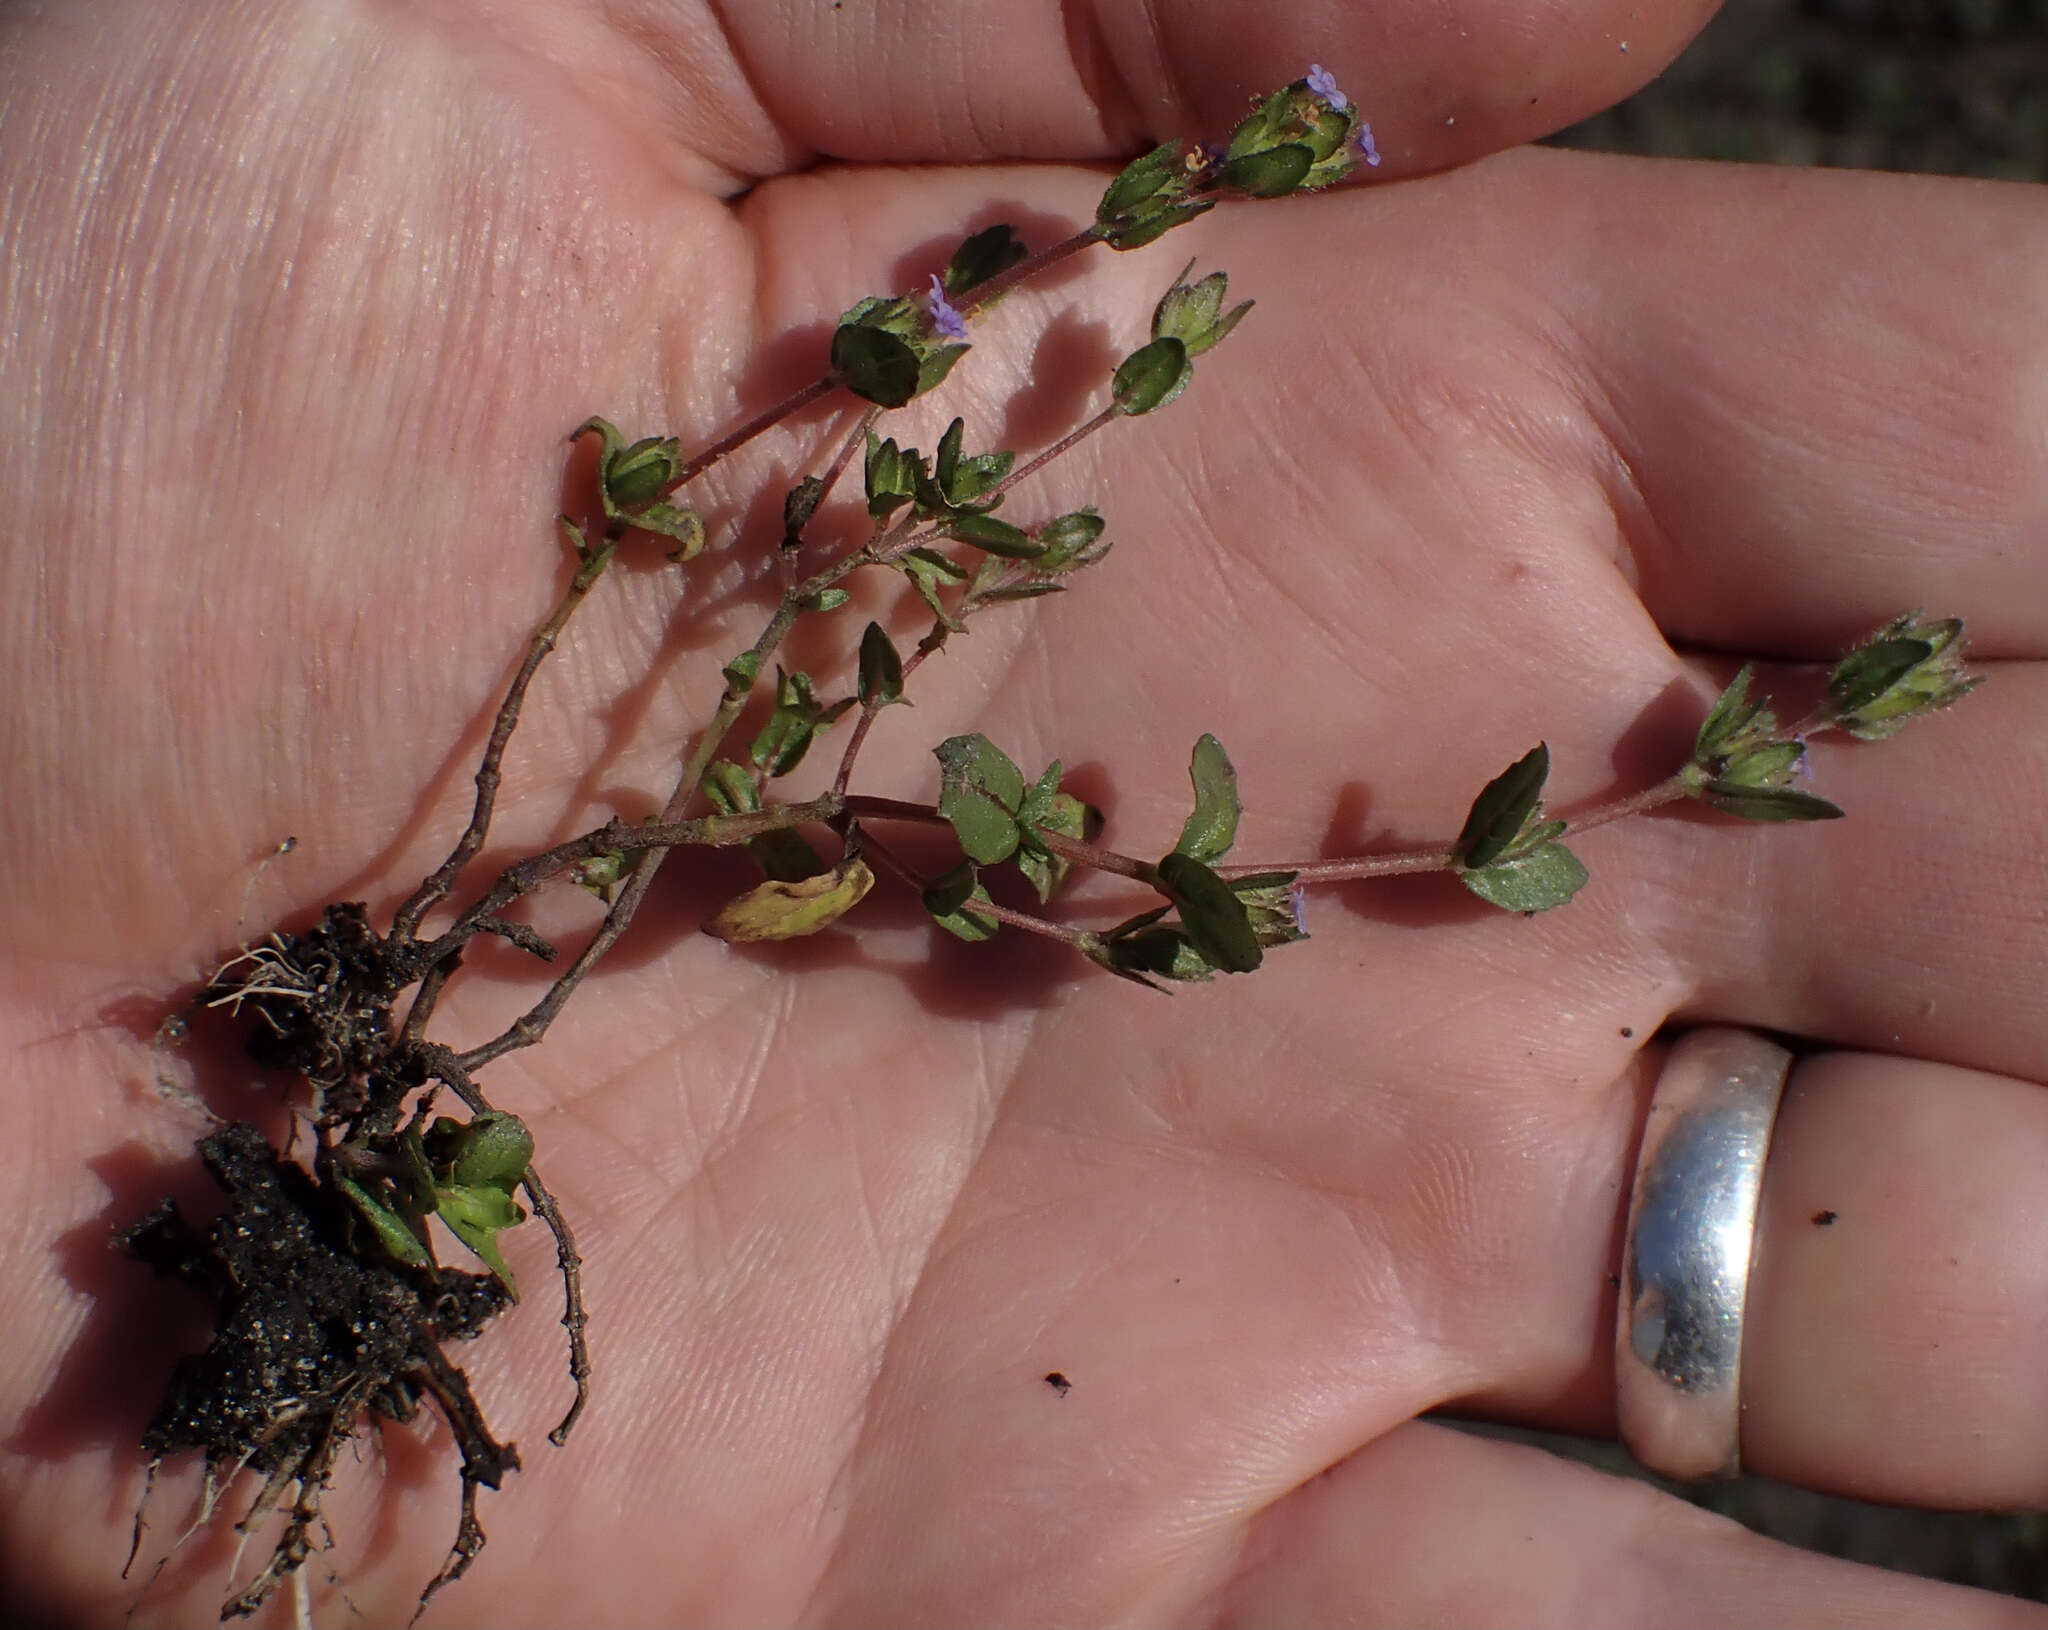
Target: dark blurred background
[1942,87]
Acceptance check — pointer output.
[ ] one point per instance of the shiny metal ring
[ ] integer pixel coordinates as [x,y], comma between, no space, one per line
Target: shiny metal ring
[1686,1257]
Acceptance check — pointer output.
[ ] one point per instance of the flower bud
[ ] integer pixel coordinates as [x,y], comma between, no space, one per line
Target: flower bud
[1909,667]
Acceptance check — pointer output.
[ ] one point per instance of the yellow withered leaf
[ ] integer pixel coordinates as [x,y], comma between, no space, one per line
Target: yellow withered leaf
[787,911]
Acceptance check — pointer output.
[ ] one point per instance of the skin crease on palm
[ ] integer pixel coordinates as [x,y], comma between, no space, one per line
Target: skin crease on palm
[300,301]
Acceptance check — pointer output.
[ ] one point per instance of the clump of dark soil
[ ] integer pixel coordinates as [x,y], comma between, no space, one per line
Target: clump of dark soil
[311,1342]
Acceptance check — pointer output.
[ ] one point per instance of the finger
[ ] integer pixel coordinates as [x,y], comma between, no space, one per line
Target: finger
[1896,1344]
[1390,1536]
[1828,395]
[769,86]
[1917,925]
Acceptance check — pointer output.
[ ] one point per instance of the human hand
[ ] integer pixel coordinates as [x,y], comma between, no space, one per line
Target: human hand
[301,304]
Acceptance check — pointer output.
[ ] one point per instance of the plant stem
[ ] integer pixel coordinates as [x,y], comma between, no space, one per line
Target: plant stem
[405,922]
[441,1064]
[1078,938]
[1339,871]
[766,419]
[530,1026]
[1065,444]
[866,807]
[1099,858]
[1027,268]
[930,643]
[1667,791]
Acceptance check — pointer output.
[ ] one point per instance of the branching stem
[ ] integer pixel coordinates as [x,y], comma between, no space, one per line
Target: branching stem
[406,920]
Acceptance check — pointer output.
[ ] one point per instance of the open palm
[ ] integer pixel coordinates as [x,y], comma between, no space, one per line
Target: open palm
[301,303]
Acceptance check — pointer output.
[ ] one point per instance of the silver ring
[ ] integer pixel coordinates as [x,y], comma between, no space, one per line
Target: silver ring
[1686,1257]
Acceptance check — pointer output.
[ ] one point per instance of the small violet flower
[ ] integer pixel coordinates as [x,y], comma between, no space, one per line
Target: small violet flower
[1324,84]
[1362,134]
[1297,908]
[946,321]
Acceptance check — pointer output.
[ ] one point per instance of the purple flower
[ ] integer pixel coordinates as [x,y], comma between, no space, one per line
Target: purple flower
[1297,909]
[1324,84]
[947,323]
[1362,134]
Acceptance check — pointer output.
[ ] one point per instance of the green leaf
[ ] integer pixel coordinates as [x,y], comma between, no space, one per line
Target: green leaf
[1192,312]
[978,762]
[977,475]
[637,474]
[935,364]
[947,459]
[957,480]
[1029,590]
[730,788]
[1260,129]
[1155,221]
[1273,173]
[1502,808]
[1067,539]
[783,854]
[942,566]
[609,441]
[577,538]
[994,537]
[988,253]
[1212,828]
[741,672]
[1047,809]
[780,744]
[684,526]
[1768,764]
[601,874]
[874,364]
[827,600]
[980,791]
[1212,915]
[476,1216]
[391,1230]
[491,1150]
[786,737]
[1730,719]
[950,902]
[881,669]
[1151,376]
[1866,673]
[1546,876]
[1139,180]
[781,911]
[1767,803]
[1164,952]
[1910,667]
[926,570]
[893,475]
[1327,129]
[1036,803]
[896,314]
[631,478]
[987,832]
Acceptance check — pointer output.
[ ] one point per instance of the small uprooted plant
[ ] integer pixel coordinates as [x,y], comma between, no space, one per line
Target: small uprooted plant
[330,1309]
